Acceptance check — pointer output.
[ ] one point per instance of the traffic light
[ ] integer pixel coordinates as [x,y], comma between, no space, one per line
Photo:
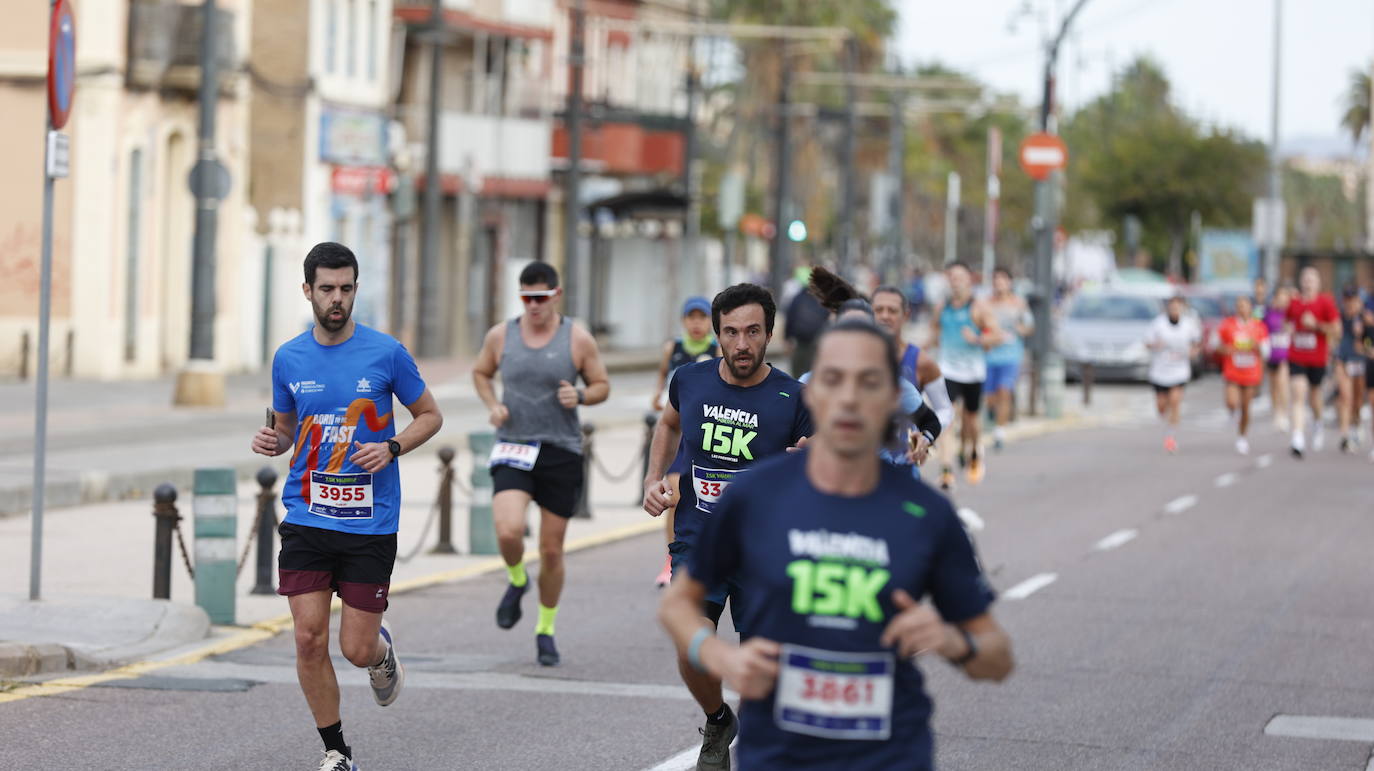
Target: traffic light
[796,231]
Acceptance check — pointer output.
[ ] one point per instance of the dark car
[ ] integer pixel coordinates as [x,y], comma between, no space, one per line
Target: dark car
[1212,305]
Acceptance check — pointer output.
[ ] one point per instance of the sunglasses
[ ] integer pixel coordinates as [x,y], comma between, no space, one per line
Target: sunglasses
[540,297]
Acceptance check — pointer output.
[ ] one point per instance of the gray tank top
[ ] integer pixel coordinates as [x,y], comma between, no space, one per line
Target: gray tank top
[529,380]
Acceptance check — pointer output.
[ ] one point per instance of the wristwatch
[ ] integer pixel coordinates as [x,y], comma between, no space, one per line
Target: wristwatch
[972,649]
[581,396]
[395,448]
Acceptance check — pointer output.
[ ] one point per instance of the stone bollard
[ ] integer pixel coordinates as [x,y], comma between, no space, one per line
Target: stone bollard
[165,510]
[267,529]
[445,544]
[215,508]
[481,529]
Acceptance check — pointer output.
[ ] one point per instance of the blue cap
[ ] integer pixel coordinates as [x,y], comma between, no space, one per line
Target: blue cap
[697,303]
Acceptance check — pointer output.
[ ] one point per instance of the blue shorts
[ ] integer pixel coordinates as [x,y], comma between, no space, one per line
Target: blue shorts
[1002,377]
[716,596]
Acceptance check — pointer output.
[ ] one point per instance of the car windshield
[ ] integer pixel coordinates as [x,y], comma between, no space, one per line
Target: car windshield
[1207,307]
[1114,308]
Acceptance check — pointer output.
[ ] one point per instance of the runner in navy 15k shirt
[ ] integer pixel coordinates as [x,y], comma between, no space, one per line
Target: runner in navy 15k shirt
[850,568]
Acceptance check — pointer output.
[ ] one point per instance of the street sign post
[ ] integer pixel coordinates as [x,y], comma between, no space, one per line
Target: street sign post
[1043,154]
[61,84]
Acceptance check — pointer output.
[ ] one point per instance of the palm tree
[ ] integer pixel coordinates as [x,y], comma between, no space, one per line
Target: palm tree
[1357,107]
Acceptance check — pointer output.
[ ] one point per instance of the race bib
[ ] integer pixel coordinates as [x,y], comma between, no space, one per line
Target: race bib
[517,455]
[341,496]
[834,695]
[1279,340]
[1305,341]
[709,485]
[1244,360]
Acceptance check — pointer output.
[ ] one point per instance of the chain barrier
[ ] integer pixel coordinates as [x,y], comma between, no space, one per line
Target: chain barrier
[621,477]
[424,534]
[185,558]
[247,547]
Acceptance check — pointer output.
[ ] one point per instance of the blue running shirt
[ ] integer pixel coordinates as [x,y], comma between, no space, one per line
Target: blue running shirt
[342,394]
[727,429]
[819,571]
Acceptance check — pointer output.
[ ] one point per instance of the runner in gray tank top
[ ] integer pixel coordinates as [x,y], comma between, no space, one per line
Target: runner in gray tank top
[538,453]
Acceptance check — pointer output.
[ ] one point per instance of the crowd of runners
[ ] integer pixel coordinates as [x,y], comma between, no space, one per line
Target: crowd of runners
[796,502]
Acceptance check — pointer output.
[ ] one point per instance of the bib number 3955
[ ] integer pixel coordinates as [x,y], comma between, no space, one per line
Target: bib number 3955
[341,496]
[835,695]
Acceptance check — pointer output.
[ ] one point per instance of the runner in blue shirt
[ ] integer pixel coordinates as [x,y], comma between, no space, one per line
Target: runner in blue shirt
[729,414]
[332,392]
[852,570]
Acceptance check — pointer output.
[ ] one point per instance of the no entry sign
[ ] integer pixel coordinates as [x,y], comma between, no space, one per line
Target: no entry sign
[1042,154]
[61,62]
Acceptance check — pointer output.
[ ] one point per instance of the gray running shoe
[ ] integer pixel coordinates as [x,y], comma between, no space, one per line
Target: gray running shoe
[715,744]
[388,676]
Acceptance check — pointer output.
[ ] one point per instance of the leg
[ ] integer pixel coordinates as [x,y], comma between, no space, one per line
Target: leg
[508,515]
[1345,406]
[1299,394]
[1175,405]
[310,613]
[1246,394]
[360,637]
[1233,396]
[1162,402]
[704,688]
[552,530]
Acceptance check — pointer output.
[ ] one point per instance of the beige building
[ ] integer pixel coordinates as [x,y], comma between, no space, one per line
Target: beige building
[123,219]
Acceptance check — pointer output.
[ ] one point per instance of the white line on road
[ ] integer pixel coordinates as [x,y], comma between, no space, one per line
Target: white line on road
[1180,505]
[679,762]
[1348,729]
[1227,479]
[971,519]
[1116,539]
[1263,461]
[1030,586]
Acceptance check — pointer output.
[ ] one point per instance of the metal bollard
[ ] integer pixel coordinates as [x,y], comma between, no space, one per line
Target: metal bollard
[165,511]
[214,506]
[1087,384]
[445,545]
[584,509]
[650,423]
[267,529]
[481,530]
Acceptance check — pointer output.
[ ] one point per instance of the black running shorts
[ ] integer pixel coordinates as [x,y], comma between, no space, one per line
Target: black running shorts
[971,394]
[356,566]
[555,482]
[1314,375]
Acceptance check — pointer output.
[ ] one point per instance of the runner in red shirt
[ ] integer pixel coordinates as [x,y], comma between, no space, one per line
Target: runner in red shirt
[1243,342]
[1313,320]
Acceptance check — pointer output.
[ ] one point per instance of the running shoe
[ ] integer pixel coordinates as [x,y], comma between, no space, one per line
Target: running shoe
[1170,445]
[508,612]
[1318,438]
[963,461]
[1242,446]
[946,479]
[388,676]
[548,653]
[1282,424]
[337,761]
[1345,445]
[665,577]
[975,470]
[1297,446]
[999,438]
[715,744]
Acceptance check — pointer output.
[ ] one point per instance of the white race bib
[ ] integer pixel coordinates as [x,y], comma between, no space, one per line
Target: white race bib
[709,485]
[834,695]
[517,455]
[1245,360]
[1279,340]
[341,496]
[1305,341]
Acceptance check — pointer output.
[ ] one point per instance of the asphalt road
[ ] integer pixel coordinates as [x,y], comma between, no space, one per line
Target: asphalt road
[1164,610]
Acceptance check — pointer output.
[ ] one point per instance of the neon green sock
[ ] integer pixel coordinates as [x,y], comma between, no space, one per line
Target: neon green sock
[518,577]
[546,617]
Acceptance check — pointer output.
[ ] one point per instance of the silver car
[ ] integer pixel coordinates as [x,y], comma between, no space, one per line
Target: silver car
[1107,330]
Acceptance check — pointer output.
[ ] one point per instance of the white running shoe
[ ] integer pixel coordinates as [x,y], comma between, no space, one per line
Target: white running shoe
[1318,438]
[388,676]
[337,761]
[1282,424]
[1242,446]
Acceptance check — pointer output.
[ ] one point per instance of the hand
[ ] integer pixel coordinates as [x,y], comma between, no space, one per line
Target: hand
[267,442]
[658,497]
[371,457]
[1308,320]
[800,444]
[499,415]
[751,669]
[657,402]
[918,629]
[920,451]
[970,336]
[567,395]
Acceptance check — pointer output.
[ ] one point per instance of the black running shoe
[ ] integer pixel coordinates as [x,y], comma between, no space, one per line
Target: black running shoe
[548,654]
[508,612]
[715,744]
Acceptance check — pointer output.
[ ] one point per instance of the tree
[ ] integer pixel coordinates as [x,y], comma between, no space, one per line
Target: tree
[1357,109]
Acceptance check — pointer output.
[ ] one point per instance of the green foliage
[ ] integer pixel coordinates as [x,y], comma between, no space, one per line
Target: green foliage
[1355,119]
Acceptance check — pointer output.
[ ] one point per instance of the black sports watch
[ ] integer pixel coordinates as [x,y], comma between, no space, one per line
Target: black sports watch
[972,649]
[395,448]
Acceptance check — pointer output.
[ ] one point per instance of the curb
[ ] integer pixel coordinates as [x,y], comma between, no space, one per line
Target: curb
[177,625]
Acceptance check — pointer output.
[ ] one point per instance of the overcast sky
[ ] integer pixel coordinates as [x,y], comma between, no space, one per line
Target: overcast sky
[1215,52]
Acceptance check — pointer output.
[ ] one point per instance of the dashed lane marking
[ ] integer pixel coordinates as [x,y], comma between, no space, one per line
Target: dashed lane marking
[1116,539]
[1180,504]
[1030,586]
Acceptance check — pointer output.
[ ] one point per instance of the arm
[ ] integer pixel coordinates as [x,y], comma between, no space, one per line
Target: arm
[927,371]
[991,334]
[277,439]
[589,364]
[934,341]
[751,668]
[658,496]
[488,360]
[937,396]
[662,375]
[1026,324]
[918,629]
[425,422]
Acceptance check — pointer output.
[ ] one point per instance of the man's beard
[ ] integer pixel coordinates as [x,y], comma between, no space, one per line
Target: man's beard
[329,324]
[744,374]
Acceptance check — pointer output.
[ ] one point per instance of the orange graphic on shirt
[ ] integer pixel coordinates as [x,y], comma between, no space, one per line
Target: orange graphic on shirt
[312,434]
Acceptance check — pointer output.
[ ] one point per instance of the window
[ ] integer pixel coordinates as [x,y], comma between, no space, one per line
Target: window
[351,36]
[372,34]
[331,33]
[131,255]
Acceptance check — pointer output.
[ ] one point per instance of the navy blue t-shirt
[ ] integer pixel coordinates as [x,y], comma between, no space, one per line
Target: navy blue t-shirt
[726,429]
[820,571]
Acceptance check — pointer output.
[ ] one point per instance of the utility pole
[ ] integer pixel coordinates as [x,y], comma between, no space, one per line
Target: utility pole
[428,322]
[993,200]
[1274,244]
[851,130]
[1049,365]
[952,218]
[896,167]
[783,176]
[572,181]
[691,170]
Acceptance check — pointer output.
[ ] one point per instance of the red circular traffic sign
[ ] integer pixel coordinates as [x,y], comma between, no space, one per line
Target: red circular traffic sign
[61,62]
[1042,154]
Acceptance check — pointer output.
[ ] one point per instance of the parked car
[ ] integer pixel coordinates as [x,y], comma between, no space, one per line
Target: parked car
[1106,329]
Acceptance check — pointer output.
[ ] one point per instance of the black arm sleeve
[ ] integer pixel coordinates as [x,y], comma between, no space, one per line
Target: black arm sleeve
[926,421]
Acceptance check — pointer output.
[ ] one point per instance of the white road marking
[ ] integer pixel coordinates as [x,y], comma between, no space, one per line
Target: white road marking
[1116,539]
[1030,586]
[1226,480]
[1346,729]
[1263,461]
[679,762]
[1181,504]
[1370,765]
[971,519]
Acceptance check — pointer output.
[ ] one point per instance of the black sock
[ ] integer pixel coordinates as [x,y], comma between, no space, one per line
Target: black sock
[333,738]
[721,717]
